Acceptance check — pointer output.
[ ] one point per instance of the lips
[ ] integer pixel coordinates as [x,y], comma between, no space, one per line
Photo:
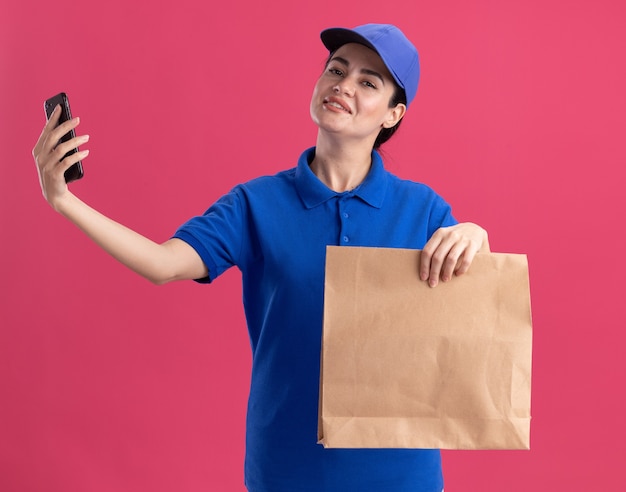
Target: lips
[337,103]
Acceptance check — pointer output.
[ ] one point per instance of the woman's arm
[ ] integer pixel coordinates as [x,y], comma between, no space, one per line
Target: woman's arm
[159,263]
[451,250]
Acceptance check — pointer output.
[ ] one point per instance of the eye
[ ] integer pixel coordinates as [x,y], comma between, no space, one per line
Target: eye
[335,71]
[369,84]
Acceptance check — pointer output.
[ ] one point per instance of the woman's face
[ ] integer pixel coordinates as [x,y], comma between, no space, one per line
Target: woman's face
[351,97]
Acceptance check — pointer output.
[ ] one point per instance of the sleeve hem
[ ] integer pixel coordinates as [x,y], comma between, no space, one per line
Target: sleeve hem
[202,252]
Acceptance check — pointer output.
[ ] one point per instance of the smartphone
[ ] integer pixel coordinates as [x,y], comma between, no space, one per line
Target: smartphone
[76,170]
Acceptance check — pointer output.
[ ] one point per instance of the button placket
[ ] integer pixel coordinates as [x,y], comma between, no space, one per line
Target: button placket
[344,219]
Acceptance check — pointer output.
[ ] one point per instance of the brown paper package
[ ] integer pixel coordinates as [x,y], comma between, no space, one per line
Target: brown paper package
[405,365]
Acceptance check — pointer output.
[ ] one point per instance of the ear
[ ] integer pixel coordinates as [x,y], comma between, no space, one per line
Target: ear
[395,115]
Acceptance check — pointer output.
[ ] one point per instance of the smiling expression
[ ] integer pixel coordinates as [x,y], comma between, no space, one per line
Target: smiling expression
[351,97]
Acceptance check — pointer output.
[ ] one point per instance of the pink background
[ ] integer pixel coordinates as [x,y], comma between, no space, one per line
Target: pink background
[110,383]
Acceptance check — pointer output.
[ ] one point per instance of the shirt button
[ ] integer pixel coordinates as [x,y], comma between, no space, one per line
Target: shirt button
[346,239]
[346,215]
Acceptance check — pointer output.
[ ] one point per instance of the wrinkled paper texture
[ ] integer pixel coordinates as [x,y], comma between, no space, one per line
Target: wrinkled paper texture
[405,365]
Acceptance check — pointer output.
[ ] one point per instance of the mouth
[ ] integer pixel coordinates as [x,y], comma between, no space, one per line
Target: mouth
[336,103]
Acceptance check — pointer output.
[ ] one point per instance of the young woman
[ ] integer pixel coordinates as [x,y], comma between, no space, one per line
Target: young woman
[275,229]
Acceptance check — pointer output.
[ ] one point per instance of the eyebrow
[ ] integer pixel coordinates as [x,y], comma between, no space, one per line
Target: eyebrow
[366,71]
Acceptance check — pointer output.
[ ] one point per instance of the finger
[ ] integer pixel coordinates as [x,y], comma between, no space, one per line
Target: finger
[466,259]
[51,123]
[72,159]
[427,254]
[441,263]
[437,263]
[54,117]
[454,259]
[59,153]
[57,133]
[64,147]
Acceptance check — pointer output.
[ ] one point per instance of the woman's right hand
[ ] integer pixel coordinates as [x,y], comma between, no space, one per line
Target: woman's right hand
[48,155]
[159,263]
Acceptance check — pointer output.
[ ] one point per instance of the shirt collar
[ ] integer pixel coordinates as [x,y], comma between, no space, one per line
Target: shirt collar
[313,192]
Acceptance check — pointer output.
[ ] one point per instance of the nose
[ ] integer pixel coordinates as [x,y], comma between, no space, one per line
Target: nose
[345,86]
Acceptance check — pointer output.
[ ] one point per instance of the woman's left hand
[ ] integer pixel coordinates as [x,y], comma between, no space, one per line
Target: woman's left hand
[451,250]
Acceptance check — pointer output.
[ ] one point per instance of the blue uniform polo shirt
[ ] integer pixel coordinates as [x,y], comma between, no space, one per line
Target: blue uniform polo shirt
[275,229]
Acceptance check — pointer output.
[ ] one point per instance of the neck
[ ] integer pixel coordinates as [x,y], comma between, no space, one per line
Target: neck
[341,167]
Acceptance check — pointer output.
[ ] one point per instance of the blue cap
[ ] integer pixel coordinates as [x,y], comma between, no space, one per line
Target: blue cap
[396,51]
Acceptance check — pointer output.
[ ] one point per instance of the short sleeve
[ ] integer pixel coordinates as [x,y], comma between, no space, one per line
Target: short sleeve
[441,215]
[217,234]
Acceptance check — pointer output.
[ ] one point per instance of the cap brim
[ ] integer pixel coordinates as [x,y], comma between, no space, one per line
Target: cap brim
[335,37]
[396,51]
